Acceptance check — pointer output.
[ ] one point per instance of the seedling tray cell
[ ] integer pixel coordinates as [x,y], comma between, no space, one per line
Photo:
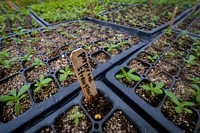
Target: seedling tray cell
[117,19]
[96,125]
[168,65]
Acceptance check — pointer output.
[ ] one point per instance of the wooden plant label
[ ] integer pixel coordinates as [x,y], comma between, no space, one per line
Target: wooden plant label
[91,9]
[173,16]
[83,72]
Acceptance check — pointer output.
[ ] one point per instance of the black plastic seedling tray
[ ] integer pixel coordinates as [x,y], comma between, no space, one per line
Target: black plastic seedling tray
[150,34]
[176,75]
[96,125]
[188,22]
[16,26]
[37,109]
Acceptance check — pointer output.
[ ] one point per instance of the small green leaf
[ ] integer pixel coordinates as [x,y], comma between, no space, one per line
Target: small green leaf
[76,121]
[23,90]
[131,71]
[37,89]
[146,87]
[134,77]
[46,81]
[13,92]
[63,77]
[172,96]
[188,110]
[9,103]
[17,108]
[198,98]
[119,76]
[158,91]
[6,98]
[159,85]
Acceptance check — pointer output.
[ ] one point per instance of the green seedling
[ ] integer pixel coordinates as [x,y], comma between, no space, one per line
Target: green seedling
[4,54]
[15,98]
[76,116]
[43,82]
[165,43]
[180,106]
[153,57]
[128,75]
[65,73]
[170,54]
[190,61]
[37,63]
[196,80]
[111,47]
[87,47]
[154,90]
[195,90]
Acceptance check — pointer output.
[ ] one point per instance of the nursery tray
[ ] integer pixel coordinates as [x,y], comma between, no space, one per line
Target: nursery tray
[189,23]
[172,75]
[57,43]
[50,121]
[9,30]
[150,34]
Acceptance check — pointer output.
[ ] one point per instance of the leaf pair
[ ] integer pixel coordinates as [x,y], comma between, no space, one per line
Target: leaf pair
[43,82]
[154,90]
[15,98]
[65,73]
[128,75]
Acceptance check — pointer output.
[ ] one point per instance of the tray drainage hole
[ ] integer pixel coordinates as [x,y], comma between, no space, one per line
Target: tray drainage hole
[21,70]
[143,76]
[176,78]
[51,73]
[96,125]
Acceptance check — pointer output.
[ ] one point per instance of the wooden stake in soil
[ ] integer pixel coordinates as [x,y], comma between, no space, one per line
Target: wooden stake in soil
[83,72]
[173,16]
[195,6]
[10,4]
[91,9]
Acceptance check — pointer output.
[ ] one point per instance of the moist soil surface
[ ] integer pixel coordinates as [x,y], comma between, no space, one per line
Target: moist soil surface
[119,123]
[65,125]
[99,108]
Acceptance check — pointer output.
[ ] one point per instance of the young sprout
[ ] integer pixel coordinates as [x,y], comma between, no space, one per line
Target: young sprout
[37,63]
[153,57]
[128,75]
[87,47]
[4,54]
[65,73]
[76,116]
[190,61]
[195,89]
[43,82]
[111,47]
[196,80]
[180,106]
[154,90]
[15,98]
[170,54]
